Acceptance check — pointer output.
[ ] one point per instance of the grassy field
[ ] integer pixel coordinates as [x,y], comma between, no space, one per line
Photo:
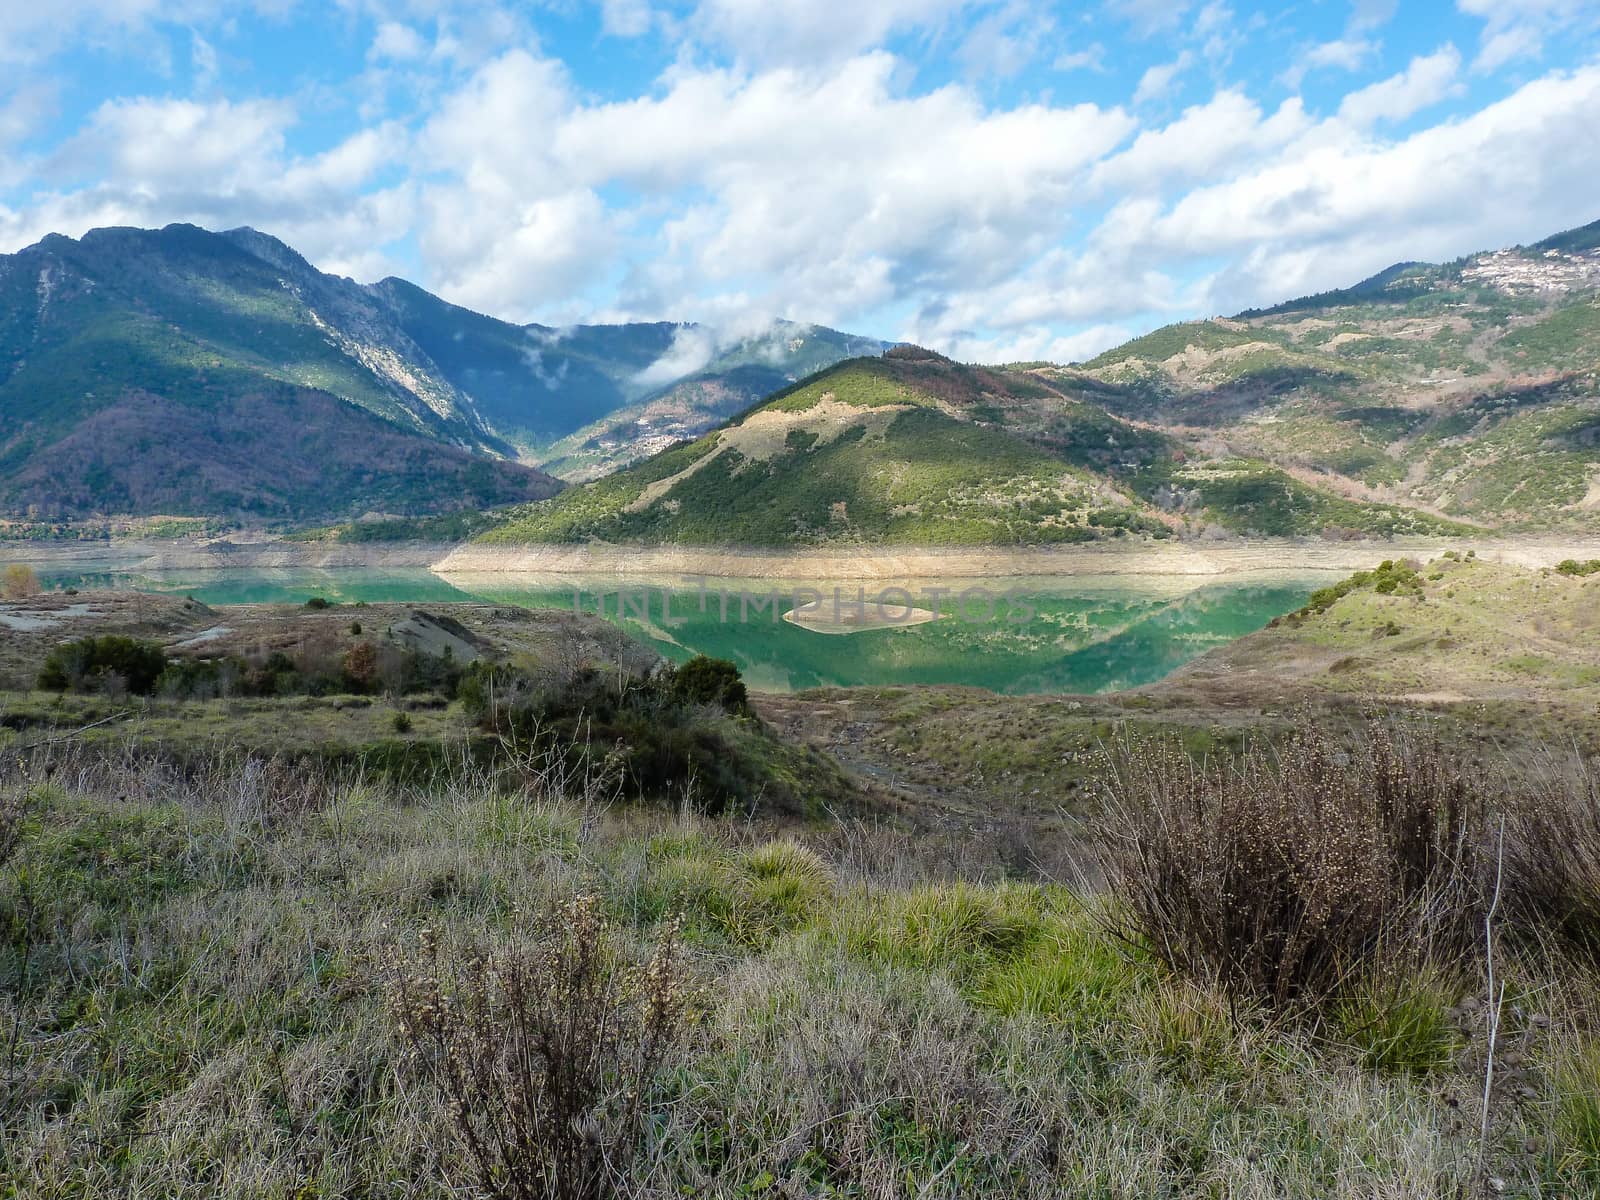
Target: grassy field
[919,942]
[201,971]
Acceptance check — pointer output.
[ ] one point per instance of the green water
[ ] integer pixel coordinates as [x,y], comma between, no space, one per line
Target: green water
[1012,636]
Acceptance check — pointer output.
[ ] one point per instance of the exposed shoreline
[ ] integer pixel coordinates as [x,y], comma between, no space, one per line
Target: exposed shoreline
[1275,556]
[1200,559]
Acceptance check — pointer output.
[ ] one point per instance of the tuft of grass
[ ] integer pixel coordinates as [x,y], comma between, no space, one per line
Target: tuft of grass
[1402,1024]
[961,928]
[522,826]
[1577,1113]
[1070,974]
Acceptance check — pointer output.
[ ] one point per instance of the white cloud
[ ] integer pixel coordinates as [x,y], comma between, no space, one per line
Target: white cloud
[1368,14]
[1344,54]
[1157,81]
[812,31]
[31,32]
[1347,54]
[1091,58]
[1336,207]
[203,60]
[1150,16]
[779,168]
[626,18]
[1516,29]
[1036,345]
[826,191]
[1228,130]
[395,42]
[693,346]
[170,143]
[1424,83]
[151,161]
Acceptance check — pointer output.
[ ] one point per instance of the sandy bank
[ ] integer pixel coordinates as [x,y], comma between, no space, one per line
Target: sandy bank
[899,563]
[1198,559]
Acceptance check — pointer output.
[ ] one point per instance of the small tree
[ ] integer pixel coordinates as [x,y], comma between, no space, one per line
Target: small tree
[19,581]
[361,666]
[704,680]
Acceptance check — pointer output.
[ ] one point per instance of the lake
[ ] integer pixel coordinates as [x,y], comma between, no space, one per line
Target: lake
[1017,636]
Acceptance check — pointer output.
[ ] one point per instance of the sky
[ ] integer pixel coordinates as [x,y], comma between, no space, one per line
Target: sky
[997,180]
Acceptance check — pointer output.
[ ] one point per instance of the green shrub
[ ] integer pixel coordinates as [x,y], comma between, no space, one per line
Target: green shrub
[401,723]
[704,680]
[1390,579]
[652,734]
[1576,569]
[317,604]
[90,662]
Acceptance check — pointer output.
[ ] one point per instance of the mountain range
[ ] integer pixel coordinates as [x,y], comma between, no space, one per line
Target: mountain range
[1429,399]
[180,371]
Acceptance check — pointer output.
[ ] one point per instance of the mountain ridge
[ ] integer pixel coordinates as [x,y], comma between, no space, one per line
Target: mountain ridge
[1426,399]
[189,324]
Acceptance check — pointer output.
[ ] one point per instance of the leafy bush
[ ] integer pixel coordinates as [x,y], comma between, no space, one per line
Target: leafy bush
[1390,579]
[1286,876]
[653,736]
[1576,569]
[547,1056]
[704,680]
[17,582]
[92,662]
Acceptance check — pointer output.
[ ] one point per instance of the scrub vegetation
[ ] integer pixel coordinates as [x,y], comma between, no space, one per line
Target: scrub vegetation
[245,978]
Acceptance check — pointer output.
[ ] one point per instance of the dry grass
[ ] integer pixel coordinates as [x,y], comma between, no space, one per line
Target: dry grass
[545,1055]
[197,988]
[1553,851]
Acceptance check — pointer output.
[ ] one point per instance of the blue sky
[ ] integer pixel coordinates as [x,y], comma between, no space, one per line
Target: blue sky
[998,180]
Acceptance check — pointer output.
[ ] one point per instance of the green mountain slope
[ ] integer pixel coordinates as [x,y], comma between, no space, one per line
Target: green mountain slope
[199,326]
[182,371]
[915,449]
[1470,390]
[648,417]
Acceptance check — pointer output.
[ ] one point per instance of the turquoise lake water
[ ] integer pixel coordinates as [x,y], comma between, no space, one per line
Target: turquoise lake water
[1012,636]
